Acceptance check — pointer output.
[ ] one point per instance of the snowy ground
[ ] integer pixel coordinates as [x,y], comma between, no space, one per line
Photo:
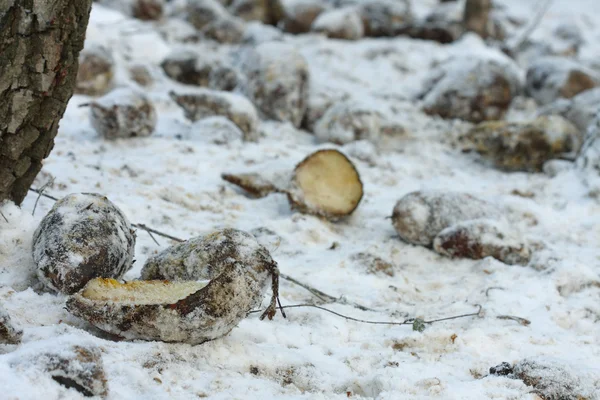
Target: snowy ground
[174,185]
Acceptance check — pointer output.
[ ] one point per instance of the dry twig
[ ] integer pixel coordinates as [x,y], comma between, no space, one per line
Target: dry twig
[409,321]
[40,192]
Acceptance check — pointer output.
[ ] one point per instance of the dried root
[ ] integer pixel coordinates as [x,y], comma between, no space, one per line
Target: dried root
[524,146]
[254,184]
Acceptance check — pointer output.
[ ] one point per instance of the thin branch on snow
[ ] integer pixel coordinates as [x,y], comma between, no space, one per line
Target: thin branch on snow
[41,192]
[322,295]
[409,321]
[151,231]
[3,216]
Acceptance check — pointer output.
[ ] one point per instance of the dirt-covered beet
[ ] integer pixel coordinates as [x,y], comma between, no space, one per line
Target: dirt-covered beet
[384,17]
[348,121]
[147,10]
[482,238]
[252,10]
[588,160]
[298,16]
[141,74]
[96,70]
[205,257]
[580,109]
[201,13]
[553,379]
[212,71]
[205,103]
[472,87]
[123,113]
[9,334]
[343,23]
[187,68]
[84,236]
[239,270]
[225,30]
[76,367]
[277,81]
[524,146]
[420,216]
[551,78]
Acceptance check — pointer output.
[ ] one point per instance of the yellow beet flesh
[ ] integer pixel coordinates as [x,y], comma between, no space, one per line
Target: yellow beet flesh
[140,292]
[329,183]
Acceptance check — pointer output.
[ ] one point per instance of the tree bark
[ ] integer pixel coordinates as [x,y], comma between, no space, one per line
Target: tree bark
[40,41]
[476,16]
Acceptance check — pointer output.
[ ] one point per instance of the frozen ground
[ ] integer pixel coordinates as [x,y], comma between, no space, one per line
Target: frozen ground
[174,185]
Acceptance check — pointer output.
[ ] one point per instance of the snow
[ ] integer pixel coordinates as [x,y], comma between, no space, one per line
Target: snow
[217,130]
[174,185]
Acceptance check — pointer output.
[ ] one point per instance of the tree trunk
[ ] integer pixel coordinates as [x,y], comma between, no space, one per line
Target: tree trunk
[40,42]
[476,16]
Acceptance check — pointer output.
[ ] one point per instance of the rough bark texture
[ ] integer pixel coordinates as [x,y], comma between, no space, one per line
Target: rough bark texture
[476,16]
[40,42]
